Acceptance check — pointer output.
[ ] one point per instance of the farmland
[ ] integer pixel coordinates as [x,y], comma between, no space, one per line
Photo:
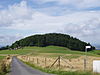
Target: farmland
[37,55]
[49,50]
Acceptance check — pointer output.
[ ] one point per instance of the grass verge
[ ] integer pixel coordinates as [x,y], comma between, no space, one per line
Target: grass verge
[4,69]
[2,57]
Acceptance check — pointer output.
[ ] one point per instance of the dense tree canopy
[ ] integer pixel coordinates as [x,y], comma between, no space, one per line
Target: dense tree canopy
[4,48]
[55,39]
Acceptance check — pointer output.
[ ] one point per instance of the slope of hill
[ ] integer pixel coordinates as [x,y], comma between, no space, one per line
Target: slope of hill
[55,39]
[46,51]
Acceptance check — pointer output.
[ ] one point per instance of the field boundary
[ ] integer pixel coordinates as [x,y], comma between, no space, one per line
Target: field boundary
[59,63]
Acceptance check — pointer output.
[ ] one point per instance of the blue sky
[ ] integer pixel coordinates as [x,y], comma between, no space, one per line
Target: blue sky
[21,18]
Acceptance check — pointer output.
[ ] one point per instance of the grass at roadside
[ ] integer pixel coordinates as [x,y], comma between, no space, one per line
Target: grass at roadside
[58,72]
[3,68]
[2,57]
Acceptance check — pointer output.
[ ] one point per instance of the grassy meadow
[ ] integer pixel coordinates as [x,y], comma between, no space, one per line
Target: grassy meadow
[48,51]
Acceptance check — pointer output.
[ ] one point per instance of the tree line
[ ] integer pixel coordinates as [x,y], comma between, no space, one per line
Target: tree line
[5,47]
[56,39]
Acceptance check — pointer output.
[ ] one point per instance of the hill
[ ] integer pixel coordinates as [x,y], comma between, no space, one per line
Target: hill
[55,39]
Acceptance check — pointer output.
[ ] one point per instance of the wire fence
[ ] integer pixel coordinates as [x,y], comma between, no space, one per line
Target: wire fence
[61,63]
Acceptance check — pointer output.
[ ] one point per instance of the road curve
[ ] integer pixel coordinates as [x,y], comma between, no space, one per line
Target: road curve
[19,68]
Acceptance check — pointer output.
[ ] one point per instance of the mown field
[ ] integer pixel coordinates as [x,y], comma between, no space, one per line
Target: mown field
[47,51]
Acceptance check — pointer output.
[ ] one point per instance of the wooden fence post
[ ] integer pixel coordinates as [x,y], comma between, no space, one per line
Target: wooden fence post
[85,64]
[33,60]
[37,61]
[45,62]
[59,62]
[29,59]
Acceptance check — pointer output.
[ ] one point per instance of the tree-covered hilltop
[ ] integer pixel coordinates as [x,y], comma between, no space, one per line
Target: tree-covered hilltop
[55,39]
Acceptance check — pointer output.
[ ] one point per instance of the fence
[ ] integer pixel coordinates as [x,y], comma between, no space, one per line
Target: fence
[60,63]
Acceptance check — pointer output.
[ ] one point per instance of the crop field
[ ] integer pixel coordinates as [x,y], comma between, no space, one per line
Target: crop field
[70,60]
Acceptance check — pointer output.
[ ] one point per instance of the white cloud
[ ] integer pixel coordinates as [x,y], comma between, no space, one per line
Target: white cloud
[9,39]
[14,13]
[83,24]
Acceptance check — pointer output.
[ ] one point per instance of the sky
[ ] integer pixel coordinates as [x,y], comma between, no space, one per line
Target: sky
[21,18]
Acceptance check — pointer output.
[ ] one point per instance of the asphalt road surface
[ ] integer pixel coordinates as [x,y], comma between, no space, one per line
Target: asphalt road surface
[19,68]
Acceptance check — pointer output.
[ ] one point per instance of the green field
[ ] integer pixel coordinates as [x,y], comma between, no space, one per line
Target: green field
[19,51]
[95,52]
[48,50]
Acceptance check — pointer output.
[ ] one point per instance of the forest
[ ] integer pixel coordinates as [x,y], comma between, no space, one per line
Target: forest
[55,39]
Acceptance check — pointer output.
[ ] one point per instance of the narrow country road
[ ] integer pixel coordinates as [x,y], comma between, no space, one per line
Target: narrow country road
[19,68]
